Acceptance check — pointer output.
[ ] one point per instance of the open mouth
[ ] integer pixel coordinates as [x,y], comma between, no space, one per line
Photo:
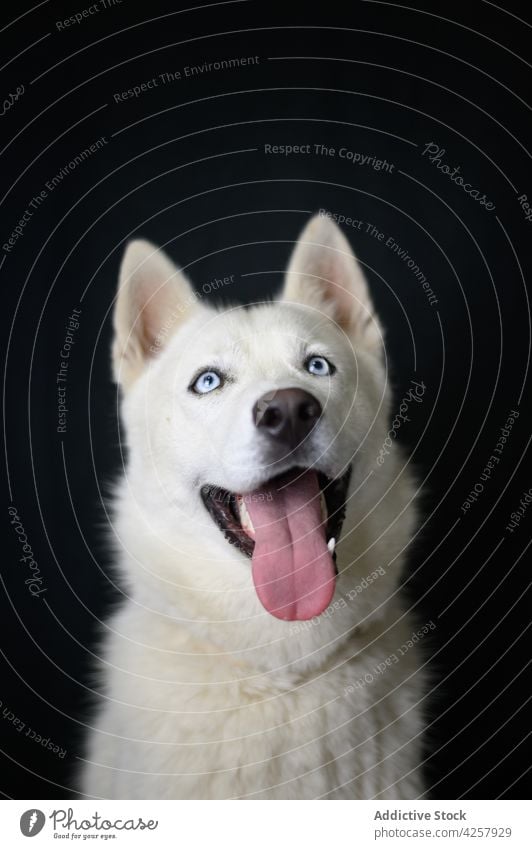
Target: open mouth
[289,527]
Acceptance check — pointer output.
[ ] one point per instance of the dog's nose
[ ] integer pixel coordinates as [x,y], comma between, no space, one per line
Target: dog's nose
[287,415]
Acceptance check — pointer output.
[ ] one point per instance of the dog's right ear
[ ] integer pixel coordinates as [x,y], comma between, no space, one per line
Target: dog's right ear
[153,299]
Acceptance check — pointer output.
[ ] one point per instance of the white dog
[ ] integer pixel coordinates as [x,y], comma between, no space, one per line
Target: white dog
[258,654]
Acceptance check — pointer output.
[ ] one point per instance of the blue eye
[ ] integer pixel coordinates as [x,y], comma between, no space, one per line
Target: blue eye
[319,366]
[206,382]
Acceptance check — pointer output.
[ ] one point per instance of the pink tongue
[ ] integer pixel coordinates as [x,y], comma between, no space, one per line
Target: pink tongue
[293,570]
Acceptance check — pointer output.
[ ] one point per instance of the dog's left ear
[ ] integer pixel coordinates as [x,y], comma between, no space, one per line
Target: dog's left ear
[324,274]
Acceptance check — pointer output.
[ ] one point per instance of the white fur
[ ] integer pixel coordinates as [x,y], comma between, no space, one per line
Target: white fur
[206,694]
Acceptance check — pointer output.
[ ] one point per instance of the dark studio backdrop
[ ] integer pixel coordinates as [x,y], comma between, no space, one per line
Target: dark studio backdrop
[363,88]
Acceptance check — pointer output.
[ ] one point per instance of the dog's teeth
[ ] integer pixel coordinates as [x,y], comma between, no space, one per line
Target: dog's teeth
[331,545]
[245,519]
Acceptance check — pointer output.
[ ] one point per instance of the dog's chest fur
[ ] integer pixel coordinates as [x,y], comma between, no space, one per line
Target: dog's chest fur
[200,725]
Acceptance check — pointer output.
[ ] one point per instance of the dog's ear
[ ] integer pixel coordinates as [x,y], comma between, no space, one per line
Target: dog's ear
[323,273]
[153,299]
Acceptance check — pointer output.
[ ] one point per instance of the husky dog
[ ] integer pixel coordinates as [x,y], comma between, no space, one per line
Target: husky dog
[257,651]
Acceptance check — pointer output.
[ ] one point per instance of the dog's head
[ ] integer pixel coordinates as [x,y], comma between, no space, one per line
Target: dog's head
[252,430]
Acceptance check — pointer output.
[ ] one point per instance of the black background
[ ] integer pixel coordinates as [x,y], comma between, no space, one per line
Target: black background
[184,165]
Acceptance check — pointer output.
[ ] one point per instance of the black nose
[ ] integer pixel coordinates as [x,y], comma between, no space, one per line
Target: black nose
[287,415]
